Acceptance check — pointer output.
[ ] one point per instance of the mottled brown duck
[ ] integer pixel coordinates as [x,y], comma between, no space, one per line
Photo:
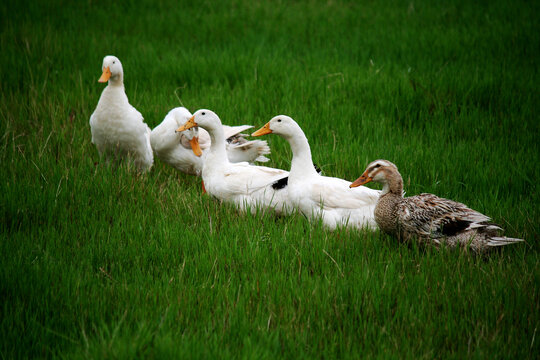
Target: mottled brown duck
[427,217]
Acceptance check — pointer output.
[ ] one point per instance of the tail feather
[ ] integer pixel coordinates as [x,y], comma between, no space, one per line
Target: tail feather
[502,240]
[262,147]
[262,158]
[493,227]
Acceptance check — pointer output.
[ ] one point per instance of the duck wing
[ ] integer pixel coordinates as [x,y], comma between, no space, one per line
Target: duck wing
[428,215]
[243,178]
[334,193]
[242,150]
[135,113]
[232,131]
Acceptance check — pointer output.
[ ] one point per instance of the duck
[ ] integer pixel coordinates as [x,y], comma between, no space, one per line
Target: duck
[426,217]
[329,199]
[186,150]
[118,129]
[249,187]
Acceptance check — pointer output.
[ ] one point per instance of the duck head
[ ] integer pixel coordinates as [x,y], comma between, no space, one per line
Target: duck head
[378,171]
[280,125]
[204,118]
[178,117]
[112,70]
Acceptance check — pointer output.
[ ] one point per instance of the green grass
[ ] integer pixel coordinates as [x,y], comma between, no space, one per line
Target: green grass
[100,262]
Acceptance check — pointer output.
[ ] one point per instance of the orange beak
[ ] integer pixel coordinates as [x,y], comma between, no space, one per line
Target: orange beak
[106,75]
[195,146]
[190,123]
[362,180]
[263,131]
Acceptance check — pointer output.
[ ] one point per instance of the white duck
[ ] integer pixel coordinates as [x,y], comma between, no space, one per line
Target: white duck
[186,150]
[118,129]
[428,218]
[317,196]
[247,186]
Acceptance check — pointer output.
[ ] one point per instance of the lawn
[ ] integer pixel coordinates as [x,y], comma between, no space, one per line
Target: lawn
[99,261]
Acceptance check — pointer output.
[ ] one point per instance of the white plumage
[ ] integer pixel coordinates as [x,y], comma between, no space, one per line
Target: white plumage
[118,129]
[245,185]
[178,148]
[317,196]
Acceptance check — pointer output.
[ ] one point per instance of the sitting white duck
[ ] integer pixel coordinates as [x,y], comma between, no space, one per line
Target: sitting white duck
[320,197]
[186,150]
[118,129]
[428,218]
[247,186]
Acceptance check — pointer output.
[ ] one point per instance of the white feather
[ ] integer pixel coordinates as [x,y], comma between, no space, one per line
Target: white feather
[118,129]
[174,149]
[322,197]
[242,184]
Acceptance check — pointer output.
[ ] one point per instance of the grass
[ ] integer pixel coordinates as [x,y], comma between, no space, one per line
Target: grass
[101,262]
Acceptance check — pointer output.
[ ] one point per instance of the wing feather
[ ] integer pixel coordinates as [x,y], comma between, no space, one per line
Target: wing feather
[432,216]
[334,193]
[243,178]
[234,130]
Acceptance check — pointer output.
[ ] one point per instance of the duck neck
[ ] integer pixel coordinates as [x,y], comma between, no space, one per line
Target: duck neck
[393,185]
[391,196]
[114,93]
[218,153]
[302,163]
[117,80]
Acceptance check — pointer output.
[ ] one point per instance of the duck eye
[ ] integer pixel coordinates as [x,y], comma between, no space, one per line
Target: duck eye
[377,166]
[278,120]
[114,62]
[203,113]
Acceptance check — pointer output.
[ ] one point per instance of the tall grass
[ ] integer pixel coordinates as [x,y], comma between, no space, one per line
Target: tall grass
[101,262]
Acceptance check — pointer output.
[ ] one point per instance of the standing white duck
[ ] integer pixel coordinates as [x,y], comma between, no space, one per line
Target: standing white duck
[317,196]
[186,150]
[247,186]
[118,129]
[426,217]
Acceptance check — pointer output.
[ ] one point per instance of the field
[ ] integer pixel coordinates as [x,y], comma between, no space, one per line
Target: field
[99,261]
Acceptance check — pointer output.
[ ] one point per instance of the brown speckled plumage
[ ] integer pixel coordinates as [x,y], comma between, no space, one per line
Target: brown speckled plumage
[427,217]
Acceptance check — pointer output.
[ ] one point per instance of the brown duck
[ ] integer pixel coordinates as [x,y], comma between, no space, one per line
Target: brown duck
[427,217]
